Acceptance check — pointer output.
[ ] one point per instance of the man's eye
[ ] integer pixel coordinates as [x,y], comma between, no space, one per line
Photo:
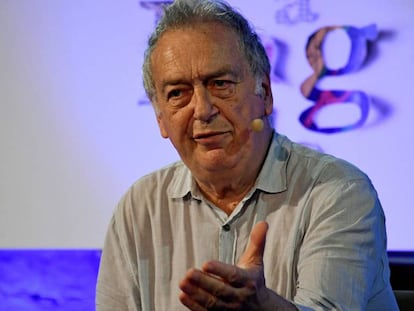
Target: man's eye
[221,83]
[174,93]
[222,88]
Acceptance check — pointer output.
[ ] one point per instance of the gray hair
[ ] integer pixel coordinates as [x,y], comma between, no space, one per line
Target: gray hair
[182,13]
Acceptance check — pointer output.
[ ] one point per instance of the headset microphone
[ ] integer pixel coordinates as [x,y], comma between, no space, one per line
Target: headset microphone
[257,125]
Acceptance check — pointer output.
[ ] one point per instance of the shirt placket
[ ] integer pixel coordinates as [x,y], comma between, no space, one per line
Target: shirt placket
[228,234]
[227,243]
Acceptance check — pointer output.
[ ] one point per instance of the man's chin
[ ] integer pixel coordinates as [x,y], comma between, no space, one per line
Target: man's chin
[215,160]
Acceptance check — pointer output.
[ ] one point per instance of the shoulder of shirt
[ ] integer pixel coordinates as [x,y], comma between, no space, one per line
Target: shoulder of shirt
[321,165]
[151,187]
[162,176]
[173,180]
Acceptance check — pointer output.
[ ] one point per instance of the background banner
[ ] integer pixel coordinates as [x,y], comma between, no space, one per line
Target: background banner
[76,129]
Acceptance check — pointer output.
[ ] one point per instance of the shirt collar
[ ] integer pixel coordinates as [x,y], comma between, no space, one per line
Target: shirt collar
[271,179]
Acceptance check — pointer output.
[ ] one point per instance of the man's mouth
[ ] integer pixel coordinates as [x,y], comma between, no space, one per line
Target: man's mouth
[209,137]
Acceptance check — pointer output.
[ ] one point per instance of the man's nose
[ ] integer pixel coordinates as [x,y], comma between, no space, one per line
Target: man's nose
[204,108]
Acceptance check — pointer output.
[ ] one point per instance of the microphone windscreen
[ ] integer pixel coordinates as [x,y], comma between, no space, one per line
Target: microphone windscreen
[257,125]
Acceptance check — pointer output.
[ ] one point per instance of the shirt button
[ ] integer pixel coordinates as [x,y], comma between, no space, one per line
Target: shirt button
[226,227]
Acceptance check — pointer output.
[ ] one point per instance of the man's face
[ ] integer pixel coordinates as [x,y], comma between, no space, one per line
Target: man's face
[206,97]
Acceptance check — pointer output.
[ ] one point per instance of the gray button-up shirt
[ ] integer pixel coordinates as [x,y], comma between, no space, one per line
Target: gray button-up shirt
[325,247]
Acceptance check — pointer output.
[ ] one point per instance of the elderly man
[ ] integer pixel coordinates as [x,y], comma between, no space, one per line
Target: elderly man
[247,220]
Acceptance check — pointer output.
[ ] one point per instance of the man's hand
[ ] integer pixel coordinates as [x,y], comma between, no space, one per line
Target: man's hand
[220,286]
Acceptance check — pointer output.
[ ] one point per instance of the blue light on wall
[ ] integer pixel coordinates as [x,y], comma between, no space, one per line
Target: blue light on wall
[48,280]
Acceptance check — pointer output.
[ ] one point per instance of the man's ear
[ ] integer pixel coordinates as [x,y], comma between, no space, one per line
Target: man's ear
[161,125]
[267,94]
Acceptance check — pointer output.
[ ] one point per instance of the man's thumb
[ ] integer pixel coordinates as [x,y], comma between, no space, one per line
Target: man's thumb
[253,255]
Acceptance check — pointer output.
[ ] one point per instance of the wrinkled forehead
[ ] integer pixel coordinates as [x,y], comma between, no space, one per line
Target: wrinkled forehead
[201,47]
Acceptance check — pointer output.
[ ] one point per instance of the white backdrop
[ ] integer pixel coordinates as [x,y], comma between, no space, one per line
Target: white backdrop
[75,135]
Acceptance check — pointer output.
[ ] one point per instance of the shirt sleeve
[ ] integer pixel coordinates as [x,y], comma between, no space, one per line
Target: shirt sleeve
[117,288]
[342,262]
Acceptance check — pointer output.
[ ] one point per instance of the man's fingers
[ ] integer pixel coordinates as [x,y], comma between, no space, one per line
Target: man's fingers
[201,290]
[204,281]
[253,255]
[219,286]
